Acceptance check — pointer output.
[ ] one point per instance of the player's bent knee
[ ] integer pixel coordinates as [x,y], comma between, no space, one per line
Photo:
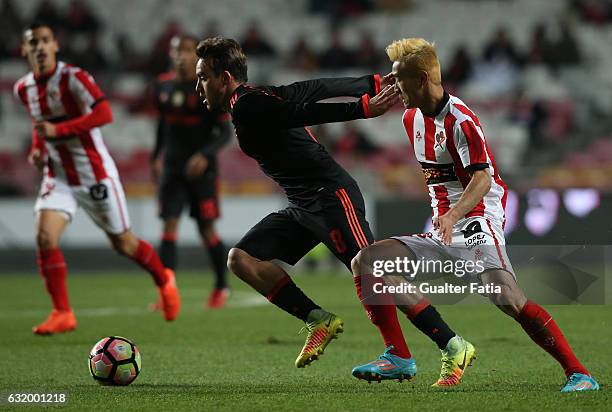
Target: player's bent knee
[45,240]
[356,264]
[238,260]
[363,262]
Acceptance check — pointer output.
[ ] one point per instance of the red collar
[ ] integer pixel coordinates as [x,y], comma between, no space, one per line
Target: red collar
[234,97]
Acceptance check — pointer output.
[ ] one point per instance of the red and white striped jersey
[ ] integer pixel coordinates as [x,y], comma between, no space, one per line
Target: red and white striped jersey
[449,145]
[68,93]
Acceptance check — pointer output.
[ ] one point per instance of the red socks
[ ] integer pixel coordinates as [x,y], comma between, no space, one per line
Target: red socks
[146,257]
[53,269]
[385,319]
[543,330]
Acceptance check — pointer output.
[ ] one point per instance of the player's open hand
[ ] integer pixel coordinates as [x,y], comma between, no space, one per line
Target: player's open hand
[444,225]
[383,101]
[45,129]
[196,165]
[36,159]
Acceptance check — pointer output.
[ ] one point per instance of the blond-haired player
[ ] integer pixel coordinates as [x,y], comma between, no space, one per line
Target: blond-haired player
[468,199]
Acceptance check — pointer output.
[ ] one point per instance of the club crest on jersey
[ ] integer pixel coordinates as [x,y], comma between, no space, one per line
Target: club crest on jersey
[440,138]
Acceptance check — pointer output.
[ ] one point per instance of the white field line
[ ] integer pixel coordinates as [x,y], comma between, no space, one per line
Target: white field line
[238,299]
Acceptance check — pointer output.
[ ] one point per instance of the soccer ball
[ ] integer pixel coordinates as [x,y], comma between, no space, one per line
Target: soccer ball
[114,361]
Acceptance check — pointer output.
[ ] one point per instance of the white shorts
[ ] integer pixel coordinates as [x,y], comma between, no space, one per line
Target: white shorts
[104,202]
[475,239]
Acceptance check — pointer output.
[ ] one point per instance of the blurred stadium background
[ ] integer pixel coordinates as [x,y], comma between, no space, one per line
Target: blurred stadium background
[538,73]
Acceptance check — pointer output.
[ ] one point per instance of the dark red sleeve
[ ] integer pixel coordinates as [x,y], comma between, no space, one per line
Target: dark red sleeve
[100,115]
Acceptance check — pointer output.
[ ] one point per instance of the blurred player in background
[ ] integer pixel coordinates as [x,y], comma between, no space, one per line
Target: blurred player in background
[325,203]
[67,109]
[468,199]
[185,163]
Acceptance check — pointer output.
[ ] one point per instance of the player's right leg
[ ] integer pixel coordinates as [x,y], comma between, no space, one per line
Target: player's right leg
[456,352]
[54,209]
[540,327]
[141,252]
[105,203]
[217,254]
[167,245]
[278,236]
[167,251]
[204,210]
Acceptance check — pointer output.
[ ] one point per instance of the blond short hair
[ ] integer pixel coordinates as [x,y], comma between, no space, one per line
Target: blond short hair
[416,53]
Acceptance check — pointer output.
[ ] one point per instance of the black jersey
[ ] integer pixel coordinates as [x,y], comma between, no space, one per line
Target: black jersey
[186,126]
[271,126]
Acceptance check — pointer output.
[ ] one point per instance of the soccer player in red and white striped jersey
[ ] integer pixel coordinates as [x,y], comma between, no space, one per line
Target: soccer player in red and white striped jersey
[468,199]
[67,110]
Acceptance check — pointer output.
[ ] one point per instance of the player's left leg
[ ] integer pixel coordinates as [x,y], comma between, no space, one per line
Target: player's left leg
[218,258]
[457,353]
[54,209]
[540,327]
[280,236]
[50,225]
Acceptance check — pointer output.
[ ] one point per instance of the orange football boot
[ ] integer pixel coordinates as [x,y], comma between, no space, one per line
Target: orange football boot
[57,322]
[169,296]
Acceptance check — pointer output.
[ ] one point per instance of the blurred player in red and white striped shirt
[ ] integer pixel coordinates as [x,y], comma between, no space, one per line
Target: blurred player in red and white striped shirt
[468,199]
[67,110]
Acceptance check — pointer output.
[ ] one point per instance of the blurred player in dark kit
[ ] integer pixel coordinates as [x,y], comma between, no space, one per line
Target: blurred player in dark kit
[184,161]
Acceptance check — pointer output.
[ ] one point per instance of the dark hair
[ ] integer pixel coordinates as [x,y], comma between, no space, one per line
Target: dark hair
[185,37]
[224,54]
[37,24]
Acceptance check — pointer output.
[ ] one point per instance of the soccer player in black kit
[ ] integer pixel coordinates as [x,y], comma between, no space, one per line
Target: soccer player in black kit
[325,203]
[184,161]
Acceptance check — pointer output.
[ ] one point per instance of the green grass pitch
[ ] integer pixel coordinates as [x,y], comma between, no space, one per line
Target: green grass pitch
[241,358]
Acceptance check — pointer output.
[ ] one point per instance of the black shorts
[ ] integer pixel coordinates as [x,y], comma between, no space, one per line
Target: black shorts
[202,195]
[337,219]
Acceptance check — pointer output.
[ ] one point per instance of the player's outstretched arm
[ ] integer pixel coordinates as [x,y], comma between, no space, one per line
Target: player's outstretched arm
[310,91]
[265,110]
